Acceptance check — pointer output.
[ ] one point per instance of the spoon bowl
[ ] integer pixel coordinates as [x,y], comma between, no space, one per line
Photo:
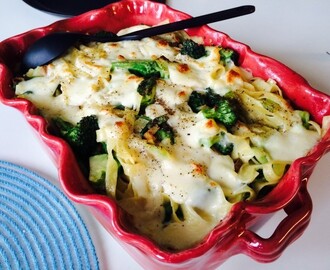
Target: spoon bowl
[54,45]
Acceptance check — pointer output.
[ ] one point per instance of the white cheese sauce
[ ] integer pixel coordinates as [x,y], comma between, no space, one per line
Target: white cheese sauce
[193,177]
[292,144]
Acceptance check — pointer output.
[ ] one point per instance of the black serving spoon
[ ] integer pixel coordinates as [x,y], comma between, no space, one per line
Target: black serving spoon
[53,45]
[70,7]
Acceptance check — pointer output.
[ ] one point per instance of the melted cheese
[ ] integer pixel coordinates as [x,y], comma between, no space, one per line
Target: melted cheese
[199,181]
[296,139]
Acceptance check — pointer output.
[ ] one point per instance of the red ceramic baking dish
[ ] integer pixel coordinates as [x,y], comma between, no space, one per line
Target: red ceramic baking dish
[234,235]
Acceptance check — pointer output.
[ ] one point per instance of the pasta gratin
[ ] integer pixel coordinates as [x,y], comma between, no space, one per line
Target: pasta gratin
[181,131]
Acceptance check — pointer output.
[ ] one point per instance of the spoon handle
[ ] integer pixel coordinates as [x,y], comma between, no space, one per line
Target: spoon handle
[190,23]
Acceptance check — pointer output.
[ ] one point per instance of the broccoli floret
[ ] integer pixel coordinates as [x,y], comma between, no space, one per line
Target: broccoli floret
[223,145]
[81,137]
[165,132]
[223,112]
[147,89]
[219,143]
[196,101]
[212,98]
[199,100]
[144,68]
[193,49]
[158,130]
[214,106]
[228,55]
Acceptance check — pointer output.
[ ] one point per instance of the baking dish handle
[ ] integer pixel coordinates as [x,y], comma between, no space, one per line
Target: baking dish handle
[289,229]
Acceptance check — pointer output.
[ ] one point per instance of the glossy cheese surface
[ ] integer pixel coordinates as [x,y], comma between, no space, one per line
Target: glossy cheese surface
[181,189]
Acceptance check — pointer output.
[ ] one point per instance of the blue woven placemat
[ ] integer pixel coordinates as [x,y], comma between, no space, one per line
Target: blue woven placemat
[39,227]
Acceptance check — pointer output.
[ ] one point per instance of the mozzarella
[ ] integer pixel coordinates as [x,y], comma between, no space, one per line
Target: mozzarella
[199,181]
[291,145]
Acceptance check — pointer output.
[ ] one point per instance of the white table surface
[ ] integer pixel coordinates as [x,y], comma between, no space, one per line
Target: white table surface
[294,32]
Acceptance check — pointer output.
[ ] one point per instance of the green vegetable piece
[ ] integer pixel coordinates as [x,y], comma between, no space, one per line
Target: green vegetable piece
[212,98]
[213,106]
[193,49]
[223,145]
[196,101]
[223,112]
[82,136]
[158,130]
[305,118]
[147,89]
[219,143]
[164,133]
[144,68]
[228,55]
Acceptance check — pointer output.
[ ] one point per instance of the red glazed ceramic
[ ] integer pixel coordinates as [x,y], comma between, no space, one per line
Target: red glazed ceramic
[234,234]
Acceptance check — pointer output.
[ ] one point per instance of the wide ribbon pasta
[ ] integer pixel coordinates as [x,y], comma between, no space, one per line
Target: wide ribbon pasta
[182,139]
